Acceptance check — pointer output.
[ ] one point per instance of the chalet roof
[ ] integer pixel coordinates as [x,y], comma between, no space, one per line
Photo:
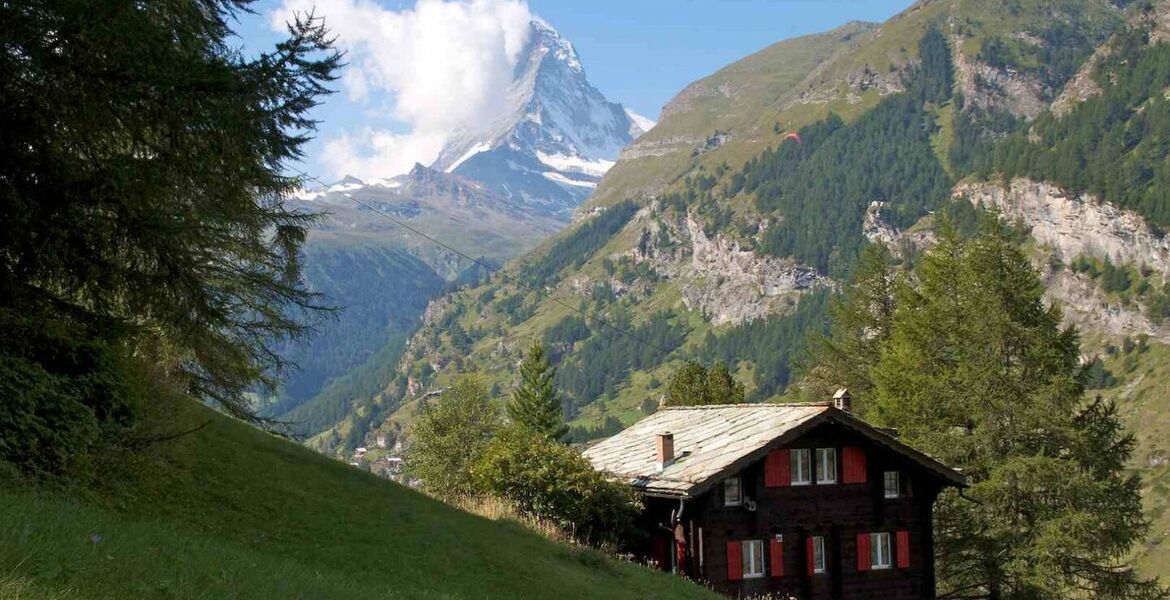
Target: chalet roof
[712,441]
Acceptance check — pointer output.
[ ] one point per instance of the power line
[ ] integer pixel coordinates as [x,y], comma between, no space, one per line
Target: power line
[490,268]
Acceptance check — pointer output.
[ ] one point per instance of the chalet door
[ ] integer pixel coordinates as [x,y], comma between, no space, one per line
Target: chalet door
[660,550]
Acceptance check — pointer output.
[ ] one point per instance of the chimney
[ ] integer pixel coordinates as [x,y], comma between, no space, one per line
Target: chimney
[842,401]
[664,447]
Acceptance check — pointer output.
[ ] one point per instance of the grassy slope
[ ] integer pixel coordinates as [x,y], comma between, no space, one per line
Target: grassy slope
[1143,395]
[798,81]
[232,512]
[735,99]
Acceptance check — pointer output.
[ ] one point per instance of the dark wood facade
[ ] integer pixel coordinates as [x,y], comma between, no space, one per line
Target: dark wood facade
[697,536]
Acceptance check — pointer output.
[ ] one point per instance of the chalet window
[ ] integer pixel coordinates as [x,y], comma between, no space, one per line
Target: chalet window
[818,554]
[893,488]
[879,551]
[826,465]
[801,467]
[752,552]
[732,492]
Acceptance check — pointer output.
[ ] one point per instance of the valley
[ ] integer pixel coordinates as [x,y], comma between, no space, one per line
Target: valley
[495,192]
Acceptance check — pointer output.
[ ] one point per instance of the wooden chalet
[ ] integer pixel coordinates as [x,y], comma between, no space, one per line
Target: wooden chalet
[803,500]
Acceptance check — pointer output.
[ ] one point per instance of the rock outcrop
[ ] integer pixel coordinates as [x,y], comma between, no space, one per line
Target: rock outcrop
[876,229]
[987,87]
[728,284]
[1074,224]
[1087,307]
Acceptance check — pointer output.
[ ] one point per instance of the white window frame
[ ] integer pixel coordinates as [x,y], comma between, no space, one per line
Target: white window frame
[887,492]
[820,561]
[826,466]
[801,470]
[729,484]
[752,553]
[880,551]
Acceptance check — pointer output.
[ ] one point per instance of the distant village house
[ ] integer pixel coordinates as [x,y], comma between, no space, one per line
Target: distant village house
[804,500]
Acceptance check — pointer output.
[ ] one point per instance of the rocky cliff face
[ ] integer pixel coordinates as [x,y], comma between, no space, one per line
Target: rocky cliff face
[987,87]
[1072,224]
[1091,310]
[732,285]
[729,285]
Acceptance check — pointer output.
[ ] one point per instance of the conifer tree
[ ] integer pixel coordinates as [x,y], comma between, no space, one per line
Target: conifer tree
[535,404]
[860,324]
[143,173]
[976,370]
[696,385]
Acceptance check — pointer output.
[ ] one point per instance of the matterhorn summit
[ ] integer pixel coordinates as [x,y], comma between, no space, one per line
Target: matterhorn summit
[557,138]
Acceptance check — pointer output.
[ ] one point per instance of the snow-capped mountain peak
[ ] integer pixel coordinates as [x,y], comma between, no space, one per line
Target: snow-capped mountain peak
[557,139]
[562,49]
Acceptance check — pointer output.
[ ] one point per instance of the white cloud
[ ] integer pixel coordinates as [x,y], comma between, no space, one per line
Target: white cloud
[441,65]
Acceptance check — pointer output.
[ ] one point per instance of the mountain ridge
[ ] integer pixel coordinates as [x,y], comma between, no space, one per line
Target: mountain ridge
[496,191]
[556,140]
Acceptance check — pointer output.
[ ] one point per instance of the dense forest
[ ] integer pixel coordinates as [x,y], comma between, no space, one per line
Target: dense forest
[336,399]
[362,281]
[577,247]
[1114,145]
[822,185]
[605,360]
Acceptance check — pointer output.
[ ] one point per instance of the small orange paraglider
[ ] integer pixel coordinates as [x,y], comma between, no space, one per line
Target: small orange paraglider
[792,135]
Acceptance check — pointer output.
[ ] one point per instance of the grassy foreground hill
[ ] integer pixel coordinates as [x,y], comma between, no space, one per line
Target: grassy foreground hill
[230,512]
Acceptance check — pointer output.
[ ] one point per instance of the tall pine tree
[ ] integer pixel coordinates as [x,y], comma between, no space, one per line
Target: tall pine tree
[143,172]
[535,404]
[975,369]
[860,323]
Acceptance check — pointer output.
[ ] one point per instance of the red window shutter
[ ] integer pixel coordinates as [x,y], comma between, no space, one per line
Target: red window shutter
[809,558]
[776,556]
[776,469]
[863,552]
[855,471]
[734,562]
[903,549]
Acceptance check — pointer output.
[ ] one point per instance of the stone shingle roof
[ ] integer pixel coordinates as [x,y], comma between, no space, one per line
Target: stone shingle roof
[711,441]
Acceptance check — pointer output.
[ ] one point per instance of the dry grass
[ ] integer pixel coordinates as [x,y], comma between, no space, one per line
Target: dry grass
[15,587]
[497,509]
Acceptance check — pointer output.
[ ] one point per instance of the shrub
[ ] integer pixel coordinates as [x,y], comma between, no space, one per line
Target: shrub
[61,395]
[450,435]
[547,480]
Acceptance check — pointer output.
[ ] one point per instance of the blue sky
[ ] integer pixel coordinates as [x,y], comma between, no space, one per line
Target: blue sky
[637,52]
[642,52]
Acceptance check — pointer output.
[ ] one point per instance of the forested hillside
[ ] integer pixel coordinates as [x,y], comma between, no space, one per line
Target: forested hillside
[1113,145]
[361,282]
